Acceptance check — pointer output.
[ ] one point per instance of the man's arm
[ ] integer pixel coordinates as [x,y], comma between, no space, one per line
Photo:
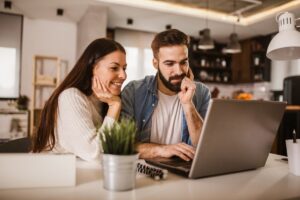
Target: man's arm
[152,150]
[194,122]
[127,100]
[193,118]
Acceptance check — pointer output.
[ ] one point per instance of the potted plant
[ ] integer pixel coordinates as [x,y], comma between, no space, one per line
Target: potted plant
[22,102]
[119,155]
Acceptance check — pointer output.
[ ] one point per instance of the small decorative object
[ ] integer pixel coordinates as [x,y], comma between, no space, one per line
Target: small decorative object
[215,92]
[245,96]
[241,95]
[119,156]
[22,102]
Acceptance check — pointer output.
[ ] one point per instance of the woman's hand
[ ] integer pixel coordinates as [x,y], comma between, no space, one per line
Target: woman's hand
[113,101]
[102,93]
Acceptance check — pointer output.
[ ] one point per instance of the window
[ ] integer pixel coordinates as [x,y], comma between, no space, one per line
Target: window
[138,53]
[139,63]
[10,53]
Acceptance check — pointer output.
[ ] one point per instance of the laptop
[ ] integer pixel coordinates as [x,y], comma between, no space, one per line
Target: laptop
[236,136]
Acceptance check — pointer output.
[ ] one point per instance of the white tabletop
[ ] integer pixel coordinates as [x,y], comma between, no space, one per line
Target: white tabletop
[270,182]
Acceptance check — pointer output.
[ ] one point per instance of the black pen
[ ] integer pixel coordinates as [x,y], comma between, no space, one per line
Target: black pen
[294,136]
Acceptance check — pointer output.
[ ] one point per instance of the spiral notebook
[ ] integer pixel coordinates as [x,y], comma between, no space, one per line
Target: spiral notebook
[236,136]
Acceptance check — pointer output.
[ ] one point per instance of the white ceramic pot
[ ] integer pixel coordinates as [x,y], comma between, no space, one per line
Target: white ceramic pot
[119,171]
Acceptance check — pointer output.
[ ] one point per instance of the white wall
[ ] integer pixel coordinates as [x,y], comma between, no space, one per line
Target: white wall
[90,27]
[44,37]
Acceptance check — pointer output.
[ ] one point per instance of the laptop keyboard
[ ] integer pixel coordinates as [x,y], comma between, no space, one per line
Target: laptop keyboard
[178,162]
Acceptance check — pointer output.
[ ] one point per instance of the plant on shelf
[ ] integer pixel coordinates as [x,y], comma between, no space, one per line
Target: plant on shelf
[119,139]
[119,155]
[22,102]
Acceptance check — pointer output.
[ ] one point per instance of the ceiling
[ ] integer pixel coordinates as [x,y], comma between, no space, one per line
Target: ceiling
[153,15]
[231,6]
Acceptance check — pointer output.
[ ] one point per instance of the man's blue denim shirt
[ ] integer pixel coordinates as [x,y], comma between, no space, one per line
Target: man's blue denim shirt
[139,99]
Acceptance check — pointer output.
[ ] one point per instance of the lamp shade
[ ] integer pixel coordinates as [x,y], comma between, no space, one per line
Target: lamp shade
[205,41]
[233,45]
[285,45]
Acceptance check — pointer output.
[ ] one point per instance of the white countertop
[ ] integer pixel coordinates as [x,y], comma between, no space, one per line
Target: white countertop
[270,182]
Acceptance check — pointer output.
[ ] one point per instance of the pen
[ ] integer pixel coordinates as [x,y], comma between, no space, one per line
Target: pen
[294,136]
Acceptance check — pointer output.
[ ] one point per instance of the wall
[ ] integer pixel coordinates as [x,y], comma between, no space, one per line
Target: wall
[44,37]
[282,69]
[91,26]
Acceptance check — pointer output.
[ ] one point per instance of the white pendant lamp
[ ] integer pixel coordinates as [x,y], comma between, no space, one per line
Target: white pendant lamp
[233,45]
[206,42]
[285,45]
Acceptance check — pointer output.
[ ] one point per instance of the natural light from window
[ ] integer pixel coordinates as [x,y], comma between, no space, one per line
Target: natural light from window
[8,71]
[139,63]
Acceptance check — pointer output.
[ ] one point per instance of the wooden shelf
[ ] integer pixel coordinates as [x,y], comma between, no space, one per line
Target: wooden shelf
[42,80]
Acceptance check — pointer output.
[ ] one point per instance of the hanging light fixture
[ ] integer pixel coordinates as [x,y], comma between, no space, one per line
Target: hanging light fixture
[233,46]
[206,42]
[285,45]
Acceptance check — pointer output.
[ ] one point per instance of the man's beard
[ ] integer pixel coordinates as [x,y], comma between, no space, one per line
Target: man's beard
[173,87]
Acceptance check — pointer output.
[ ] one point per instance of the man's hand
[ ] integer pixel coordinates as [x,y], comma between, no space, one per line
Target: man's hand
[187,92]
[182,150]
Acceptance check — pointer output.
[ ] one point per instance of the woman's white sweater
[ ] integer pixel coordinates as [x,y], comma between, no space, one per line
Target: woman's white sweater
[77,121]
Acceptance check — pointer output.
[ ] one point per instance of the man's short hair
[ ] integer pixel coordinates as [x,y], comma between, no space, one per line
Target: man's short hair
[169,37]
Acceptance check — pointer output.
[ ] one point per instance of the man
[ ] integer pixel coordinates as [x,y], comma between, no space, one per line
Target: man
[168,108]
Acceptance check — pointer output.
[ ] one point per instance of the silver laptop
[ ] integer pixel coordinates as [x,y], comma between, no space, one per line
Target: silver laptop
[236,136]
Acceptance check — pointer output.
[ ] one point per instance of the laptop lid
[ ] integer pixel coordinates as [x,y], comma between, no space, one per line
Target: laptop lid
[236,136]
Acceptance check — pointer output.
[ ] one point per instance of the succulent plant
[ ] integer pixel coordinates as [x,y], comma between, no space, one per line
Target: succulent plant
[119,139]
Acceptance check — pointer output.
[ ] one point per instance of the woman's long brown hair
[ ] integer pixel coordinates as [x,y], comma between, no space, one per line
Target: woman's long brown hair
[80,77]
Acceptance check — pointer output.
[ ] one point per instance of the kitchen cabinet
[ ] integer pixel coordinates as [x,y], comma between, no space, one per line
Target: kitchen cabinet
[210,65]
[249,66]
[252,65]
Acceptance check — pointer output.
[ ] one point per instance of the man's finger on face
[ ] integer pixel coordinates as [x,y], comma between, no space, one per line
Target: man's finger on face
[187,84]
[190,74]
[184,85]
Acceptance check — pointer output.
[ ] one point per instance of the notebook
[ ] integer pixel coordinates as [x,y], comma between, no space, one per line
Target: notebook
[236,136]
[32,170]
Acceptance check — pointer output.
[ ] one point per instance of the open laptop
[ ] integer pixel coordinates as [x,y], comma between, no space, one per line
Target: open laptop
[236,136]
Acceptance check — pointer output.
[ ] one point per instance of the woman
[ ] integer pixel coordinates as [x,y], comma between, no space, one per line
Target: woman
[87,99]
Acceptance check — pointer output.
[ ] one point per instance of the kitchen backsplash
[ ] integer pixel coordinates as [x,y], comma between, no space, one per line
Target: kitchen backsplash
[259,90]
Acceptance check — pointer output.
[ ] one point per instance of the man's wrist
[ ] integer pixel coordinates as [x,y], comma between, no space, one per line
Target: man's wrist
[157,150]
[188,106]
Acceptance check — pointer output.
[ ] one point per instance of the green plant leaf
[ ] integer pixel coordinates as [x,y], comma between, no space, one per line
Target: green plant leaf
[119,138]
